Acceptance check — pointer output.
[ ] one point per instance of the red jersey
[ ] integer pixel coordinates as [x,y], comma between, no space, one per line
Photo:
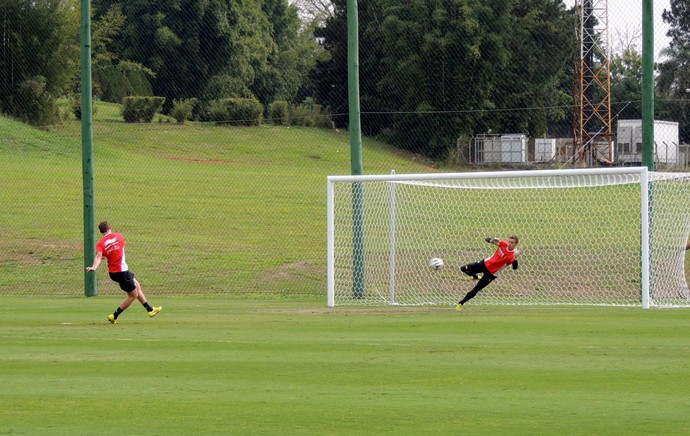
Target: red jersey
[501,258]
[113,248]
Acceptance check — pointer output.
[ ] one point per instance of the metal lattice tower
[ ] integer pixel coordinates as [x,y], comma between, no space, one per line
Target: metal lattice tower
[593,133]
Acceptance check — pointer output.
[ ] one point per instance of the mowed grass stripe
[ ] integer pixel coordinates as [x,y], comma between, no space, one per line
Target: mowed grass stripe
[219,366]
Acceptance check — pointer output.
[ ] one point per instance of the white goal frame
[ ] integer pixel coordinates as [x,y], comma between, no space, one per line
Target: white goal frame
[640,174]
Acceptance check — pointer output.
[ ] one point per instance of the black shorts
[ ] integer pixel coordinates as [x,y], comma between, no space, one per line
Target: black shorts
[125,279]
[477,268]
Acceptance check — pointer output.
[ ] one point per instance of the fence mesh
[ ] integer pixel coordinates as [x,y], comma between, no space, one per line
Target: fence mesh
[219,183]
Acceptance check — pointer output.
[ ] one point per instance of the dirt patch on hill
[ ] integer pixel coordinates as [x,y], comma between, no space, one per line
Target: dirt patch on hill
[294,272]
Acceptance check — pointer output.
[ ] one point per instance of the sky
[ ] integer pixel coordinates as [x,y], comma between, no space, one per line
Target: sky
[624,13]
[625,17]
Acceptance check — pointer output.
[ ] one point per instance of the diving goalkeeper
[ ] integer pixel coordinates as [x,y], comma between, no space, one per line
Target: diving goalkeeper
[505,255]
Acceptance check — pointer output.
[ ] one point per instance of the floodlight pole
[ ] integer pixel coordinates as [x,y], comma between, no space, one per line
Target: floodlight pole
[87,149]
[359,267]
[648,84]
[648,133]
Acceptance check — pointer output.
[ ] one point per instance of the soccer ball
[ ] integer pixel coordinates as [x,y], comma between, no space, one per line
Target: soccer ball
[436,263]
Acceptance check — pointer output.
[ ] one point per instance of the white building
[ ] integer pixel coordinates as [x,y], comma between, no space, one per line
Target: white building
[509,148]
[629,142]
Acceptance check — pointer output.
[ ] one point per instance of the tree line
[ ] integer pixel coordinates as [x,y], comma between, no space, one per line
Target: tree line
[430,71]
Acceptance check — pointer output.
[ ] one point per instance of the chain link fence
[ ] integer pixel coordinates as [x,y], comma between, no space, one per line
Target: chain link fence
[218,184]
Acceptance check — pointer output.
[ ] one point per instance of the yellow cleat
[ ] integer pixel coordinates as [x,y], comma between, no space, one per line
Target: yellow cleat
[155,311]
[458,307]
[112,319]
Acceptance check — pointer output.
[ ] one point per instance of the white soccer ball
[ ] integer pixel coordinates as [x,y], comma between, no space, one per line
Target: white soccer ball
[436,263]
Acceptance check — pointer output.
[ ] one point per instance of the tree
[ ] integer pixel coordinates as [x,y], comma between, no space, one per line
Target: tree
[433,71]
[443,61]
[292,53]
[541,48]
[330,76]
[184,42]
[678,17]
[314,13]
[673,78]
[115,78]
[626,76]
[211,49]
[39,57]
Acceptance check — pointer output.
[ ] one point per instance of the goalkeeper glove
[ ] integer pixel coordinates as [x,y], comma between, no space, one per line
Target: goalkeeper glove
[515,264]
[488,240]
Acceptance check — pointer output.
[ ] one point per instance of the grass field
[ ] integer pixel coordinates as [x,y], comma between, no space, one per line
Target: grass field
[237,216]
[213,366]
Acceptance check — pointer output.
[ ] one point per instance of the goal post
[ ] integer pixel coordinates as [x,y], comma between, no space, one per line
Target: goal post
[595,236]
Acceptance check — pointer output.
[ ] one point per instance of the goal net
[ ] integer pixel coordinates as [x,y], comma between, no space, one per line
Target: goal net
[612,236]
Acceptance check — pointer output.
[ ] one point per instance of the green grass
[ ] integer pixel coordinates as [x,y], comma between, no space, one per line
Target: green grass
[204,208]
[213,366]
[241,212]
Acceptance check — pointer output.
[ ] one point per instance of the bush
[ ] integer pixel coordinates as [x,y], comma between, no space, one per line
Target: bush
[300,116]
[310,114]
[237,111]
[182,109]
[224,86]
[322,117]
[278,113]
[141,109]
[34,104]
[75,105]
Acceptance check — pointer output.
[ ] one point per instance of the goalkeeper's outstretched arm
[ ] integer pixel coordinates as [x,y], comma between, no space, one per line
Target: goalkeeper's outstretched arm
[491,240]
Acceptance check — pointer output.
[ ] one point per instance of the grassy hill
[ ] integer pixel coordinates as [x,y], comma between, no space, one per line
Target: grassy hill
[204,208]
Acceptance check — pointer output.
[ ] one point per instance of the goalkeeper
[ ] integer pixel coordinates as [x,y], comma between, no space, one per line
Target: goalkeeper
[505,255]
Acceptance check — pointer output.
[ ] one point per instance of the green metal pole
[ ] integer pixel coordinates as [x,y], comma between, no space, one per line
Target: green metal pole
[648,123]
[353,87]
[87,149]
[359,267]
[648,84]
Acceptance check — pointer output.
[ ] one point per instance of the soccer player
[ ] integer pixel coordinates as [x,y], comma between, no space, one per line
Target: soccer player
[112,246]
[504,255]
